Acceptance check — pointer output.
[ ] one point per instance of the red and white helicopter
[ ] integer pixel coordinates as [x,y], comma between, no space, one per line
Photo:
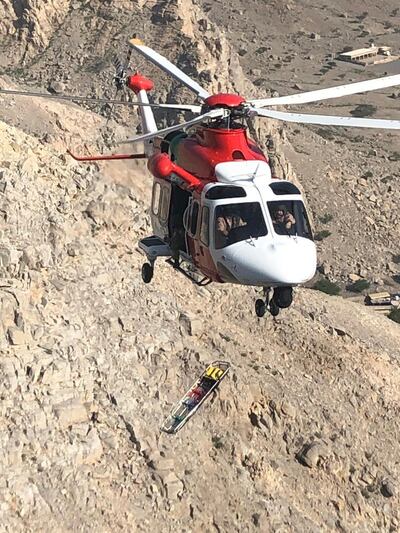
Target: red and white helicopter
[216,209]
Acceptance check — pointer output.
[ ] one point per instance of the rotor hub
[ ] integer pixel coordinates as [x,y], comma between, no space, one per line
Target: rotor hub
[226,100]
[138,83]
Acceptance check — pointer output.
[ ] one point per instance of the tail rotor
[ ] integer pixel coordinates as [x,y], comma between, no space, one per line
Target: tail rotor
[121,70]
[119,79]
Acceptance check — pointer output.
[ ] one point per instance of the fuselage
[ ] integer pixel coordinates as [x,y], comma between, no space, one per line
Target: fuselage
[235,183]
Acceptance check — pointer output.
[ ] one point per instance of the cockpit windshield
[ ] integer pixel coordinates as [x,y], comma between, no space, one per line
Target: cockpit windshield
[290,218]
[238,222]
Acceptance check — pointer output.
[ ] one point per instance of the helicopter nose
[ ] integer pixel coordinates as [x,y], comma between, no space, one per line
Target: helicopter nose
[281,262]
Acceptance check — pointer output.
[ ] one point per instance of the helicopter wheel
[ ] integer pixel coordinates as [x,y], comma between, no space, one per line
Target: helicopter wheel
[283,297]
[147,272]
[260,308]
[273,308]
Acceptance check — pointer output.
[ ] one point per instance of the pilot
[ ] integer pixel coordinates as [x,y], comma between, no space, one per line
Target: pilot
[224,225]
[282,218]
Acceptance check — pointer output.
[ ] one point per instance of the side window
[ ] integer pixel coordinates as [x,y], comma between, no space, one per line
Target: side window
[156,198]
[194,217]
[164,206]
[205,223]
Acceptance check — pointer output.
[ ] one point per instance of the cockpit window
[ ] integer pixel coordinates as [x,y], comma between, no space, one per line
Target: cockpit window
[225,191]
[290,218]
[238,222]
[284,187]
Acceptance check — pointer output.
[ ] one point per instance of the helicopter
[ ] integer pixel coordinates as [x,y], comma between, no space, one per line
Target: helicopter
[218,213]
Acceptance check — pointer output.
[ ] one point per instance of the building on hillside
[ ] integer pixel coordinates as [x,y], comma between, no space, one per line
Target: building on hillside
[368,56]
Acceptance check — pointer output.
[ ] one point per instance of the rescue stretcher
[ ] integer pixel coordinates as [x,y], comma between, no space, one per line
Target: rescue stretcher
[195,396]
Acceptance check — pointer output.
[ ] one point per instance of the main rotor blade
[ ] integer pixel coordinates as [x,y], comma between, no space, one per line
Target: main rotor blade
[327,120]
[215,113]
[330,92]
[168,67]
[178,107]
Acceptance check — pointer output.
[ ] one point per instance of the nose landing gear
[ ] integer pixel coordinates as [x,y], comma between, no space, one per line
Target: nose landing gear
[261,307]
[282,298]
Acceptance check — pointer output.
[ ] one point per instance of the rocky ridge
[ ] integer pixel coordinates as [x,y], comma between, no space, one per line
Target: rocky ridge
[302,435]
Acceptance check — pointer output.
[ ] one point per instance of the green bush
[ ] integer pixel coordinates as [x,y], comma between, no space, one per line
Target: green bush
[322,235]
[363,16]
[395,156]
[326,286]
[217,442]
[326,133]
[356,138]
[359,285]
[368,174]
[364,110]
[326,218]
[395,315]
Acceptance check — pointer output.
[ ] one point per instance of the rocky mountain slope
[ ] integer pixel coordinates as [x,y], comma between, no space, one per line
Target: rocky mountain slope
[302,435]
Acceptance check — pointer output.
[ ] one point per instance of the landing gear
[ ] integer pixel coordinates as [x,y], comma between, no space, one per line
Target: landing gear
[273,308]
[147,272]
[282,298]
[153,247]
[261,308]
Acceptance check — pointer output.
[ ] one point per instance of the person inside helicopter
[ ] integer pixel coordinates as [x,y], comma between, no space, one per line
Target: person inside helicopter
[283,221]
[238,222]
[289,217]
[223,226]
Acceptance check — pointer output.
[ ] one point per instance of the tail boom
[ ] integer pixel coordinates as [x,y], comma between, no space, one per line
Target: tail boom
[140,85]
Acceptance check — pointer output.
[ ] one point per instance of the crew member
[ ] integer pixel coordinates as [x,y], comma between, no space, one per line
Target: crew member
[283,220]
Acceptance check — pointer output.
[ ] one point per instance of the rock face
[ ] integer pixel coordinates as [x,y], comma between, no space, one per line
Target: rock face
[303,433]
[33,22]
